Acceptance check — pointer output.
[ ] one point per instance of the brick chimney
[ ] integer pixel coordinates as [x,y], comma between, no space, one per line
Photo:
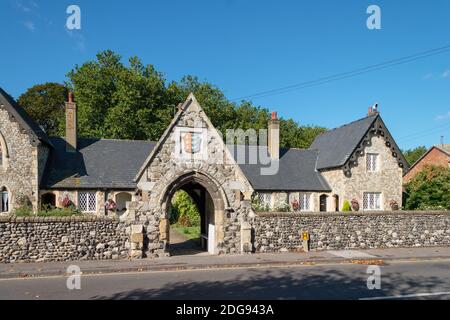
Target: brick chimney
[273,138]
[71,124]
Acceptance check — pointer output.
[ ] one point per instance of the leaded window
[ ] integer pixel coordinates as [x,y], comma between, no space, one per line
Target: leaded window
[372,201]
[87,201]
[265,199]
[305,202]
[372,162]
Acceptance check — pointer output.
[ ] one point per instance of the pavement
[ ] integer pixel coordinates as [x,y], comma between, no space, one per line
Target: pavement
[205,261]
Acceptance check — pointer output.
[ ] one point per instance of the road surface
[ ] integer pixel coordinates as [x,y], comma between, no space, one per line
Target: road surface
[412,280]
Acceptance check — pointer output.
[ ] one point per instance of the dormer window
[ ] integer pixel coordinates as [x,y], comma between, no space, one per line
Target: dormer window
[372,162]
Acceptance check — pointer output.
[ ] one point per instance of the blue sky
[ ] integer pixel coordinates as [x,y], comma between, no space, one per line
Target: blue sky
[245,47]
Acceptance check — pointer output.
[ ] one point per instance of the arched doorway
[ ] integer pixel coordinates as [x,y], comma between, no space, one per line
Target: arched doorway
[209,199]
[323,203]
[48,200]
[121,202]
[336,203]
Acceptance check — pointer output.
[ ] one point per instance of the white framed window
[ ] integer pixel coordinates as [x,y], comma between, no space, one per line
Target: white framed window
[4,203]
[372,201]
[305,202]
[265,199]
[87,201]
[372,162]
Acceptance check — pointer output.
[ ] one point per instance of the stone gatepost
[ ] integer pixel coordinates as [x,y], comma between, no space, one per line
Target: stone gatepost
[136,241]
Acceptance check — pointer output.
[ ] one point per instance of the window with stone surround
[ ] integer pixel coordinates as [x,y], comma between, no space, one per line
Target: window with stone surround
[372,162]
[87,201]
[305,202]
[372,201]
[4,203]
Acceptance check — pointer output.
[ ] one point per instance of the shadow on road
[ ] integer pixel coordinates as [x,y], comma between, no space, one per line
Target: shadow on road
[298,283]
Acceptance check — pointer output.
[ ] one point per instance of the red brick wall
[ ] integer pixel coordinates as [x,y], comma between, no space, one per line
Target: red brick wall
[434,157]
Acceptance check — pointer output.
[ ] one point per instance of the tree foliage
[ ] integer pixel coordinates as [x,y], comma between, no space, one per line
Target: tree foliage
[134,101]
[412,155]
[45,104]
[184,212]
[429,189]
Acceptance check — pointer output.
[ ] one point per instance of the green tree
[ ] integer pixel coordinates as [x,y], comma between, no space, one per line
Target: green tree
[133,101]
[184,211]
[429,189]
[412,155]
[45,104]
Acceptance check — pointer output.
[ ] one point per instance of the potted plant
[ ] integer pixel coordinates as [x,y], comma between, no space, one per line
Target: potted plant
[394,205]
[355,204]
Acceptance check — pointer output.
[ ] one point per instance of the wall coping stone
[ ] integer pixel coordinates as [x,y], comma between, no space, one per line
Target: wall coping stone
[34,219]
[349,214]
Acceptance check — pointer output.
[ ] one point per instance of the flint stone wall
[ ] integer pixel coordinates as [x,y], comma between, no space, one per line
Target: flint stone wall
[37,239]
[281,232]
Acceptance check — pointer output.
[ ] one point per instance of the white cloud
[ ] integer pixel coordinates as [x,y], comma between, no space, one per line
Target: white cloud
[29,25]
[446,74]
[443,116]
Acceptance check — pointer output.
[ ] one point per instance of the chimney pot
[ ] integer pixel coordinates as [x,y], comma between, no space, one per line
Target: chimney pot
[70,97]
[274,115]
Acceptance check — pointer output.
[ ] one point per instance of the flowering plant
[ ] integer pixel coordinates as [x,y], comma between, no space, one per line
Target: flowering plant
[67,203]
[110,205]
[355,204]
[295,205]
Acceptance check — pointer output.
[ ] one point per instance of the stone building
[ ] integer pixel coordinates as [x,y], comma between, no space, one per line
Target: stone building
[438,155]
[359,161]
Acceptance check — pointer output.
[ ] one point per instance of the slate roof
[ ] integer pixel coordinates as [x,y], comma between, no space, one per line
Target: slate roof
[22,117]
[98,164]
[296,172]
[337,145]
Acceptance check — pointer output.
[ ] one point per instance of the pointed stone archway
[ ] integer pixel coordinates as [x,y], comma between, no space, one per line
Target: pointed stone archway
[212,218]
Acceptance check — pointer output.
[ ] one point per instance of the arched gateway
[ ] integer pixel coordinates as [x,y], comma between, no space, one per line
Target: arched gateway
[191,156]
[211,202]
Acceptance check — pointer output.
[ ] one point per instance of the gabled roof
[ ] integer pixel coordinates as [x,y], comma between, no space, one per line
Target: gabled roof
[444,148]
[337,145]
[296,171]
[97,164]
[22,117]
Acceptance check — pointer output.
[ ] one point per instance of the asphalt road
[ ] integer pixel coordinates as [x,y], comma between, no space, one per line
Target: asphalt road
[415,280]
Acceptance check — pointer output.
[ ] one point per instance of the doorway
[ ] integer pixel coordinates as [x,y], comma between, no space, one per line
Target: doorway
[336,203]
[323,203]
[48,200]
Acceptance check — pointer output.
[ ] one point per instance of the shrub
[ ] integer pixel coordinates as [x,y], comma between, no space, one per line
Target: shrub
[47,211]
[23,211]
[430,188]
[184,211]
[346,206]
